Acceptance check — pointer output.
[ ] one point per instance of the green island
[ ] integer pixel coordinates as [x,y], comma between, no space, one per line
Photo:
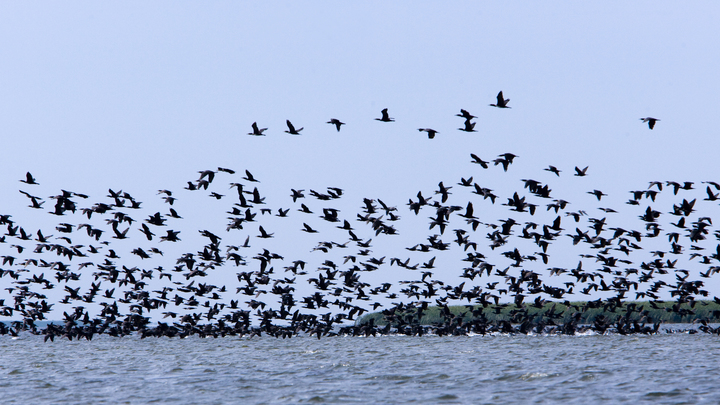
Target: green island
[581,312]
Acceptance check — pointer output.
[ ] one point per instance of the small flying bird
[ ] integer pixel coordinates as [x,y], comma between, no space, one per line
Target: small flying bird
[291,129]
[431,132]
[501,101]
[469,126]
[553,169]
[29,179]
[465,114]
[257,131]
[479,161]
[650,120]
[249,177]
[581,172]
[385,117]
[336,122]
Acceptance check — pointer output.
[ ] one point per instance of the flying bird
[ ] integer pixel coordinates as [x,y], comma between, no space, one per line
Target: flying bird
[501,101]
[336,122]
[291,129]
[29,179]
[431,132]
[257,131]
[385,117]
[650,120]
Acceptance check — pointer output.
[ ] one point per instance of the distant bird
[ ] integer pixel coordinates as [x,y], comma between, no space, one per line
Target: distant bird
[29,179]
[501,101]
[336,122]
[257,131]
[650,120]
[431,132]
[291,129]
[469,126]
[553,169]
[465,114]
[581,172]
[385,117]
[479,161]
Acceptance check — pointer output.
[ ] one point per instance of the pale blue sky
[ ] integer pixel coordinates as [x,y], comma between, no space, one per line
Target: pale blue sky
[140,96]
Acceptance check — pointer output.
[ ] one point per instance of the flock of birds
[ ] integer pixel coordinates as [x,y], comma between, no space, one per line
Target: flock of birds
[85,263]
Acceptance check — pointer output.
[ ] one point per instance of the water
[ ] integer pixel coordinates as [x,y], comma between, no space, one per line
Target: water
[664,368]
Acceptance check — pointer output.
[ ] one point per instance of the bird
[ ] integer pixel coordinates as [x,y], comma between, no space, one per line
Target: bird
[501,101]
[291,129]
[29,179]
[553,169]
[469,126]
[385,117]
[431,132]
[465,114]
[336,122]
[257,131]
[581,172]
[650,120]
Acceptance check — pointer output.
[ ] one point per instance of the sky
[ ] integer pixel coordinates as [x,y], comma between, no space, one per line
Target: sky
[141,96]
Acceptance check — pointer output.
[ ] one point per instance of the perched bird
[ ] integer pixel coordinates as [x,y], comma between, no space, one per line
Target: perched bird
[650,120]
[291,129]
[257,131]
[385,117]
[501,101]
[431,132]
[336,122]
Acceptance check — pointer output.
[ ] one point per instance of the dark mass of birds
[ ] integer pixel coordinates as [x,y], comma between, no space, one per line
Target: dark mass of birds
[101,292]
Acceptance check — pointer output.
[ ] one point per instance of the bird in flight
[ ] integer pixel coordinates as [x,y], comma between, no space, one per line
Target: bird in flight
[501,101]
[29,179]
[431,132]
[385,117]
[291,129]
[257,131]
[336,122]
[650,120]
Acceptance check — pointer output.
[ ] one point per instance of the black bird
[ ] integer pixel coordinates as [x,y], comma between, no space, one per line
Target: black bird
[479,161]
[257,131]
[465,114]
[431,132]
[29,179]
[336,122]
[650,120]
[385,117]
[469,126]
[501,101]
[581,172]
[291,129]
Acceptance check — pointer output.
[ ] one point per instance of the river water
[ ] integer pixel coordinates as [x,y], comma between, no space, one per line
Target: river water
[664,368]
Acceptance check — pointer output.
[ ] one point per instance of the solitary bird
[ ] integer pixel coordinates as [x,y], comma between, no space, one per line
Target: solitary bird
[336,122]
[291,129]
[257,131]
[385,117]
[501,101]
[650,120]
[431,132]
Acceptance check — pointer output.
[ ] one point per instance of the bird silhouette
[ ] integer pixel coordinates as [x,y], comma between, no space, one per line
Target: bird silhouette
[501,101]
